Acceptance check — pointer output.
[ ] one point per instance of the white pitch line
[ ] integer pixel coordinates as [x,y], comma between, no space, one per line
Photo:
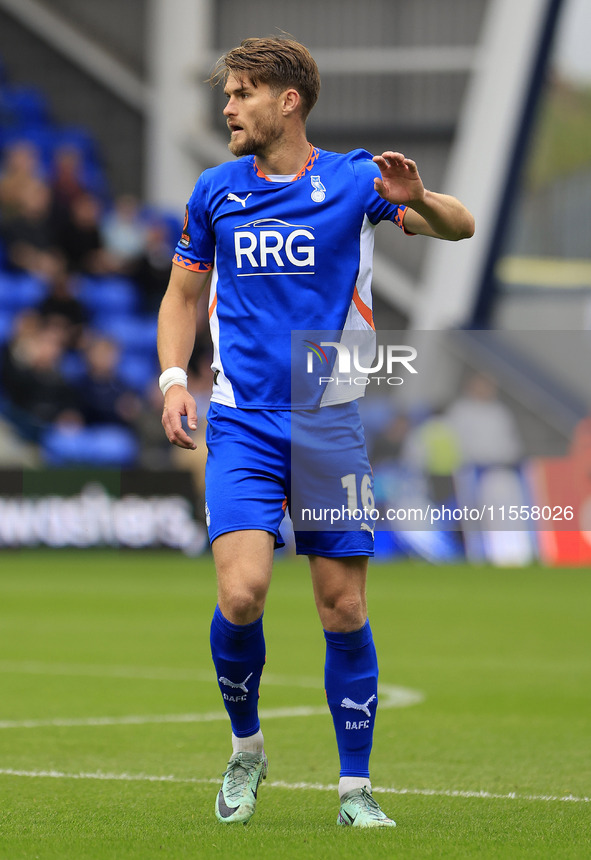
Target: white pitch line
[142,673]
[295,786]
[149,719]
[390,697]
[82,670]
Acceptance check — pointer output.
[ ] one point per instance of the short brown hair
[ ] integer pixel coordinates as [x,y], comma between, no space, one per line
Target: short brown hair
[278,61]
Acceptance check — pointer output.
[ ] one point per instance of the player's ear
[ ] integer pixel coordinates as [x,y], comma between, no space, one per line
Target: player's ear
[291,101]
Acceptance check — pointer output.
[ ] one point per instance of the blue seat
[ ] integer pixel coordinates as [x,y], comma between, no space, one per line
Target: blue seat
[73,366]
[6,323]
[20,290]
[138,371]
[79,138]
[134,334]
[25,105]
[47,139]
[172,222]
[108,296]
[108,446]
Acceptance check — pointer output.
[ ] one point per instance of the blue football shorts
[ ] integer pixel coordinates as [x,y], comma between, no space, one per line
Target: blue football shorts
[313,463]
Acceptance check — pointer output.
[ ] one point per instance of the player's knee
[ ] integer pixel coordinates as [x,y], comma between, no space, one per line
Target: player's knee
[242,605]
[342,613]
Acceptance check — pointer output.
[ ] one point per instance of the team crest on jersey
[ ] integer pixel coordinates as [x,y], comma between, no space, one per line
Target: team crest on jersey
[319,192]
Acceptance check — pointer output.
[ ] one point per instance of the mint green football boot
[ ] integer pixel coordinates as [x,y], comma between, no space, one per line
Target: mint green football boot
[359,809]
[237,798]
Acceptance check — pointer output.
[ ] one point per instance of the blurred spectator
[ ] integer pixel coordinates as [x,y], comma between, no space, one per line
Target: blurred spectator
[66,182]
[433,448]
[199,383]
[201,358]
[36,391]
[389,443]
[79,236]
[102,396]
[20,167]
[151,270]
[53,224]
[62,307]
[123,232]
[28,236]
[156,452]
[484,426]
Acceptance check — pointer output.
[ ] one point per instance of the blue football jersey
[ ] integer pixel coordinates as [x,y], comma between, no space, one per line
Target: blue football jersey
[286,256]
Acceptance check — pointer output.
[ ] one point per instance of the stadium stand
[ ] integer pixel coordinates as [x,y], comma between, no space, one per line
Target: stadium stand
[66,287]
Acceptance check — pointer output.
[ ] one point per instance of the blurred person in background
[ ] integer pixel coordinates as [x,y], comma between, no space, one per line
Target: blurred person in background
[484,426]
[200,381]
[20,166]
[61,304]
[154,451]
[433,450]
[390,440]
[151,268]
[102,396]
[66,182]
[29,238]
[79,236]
[123,233]
[37,392]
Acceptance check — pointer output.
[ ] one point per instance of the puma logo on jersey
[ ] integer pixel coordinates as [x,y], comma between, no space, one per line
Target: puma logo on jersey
[349,703]
[241,200]
[241,686]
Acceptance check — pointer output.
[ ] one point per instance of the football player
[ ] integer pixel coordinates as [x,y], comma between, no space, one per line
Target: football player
[283,237]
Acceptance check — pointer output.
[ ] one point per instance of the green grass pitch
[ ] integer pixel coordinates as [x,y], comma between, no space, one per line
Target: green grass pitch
[112,744]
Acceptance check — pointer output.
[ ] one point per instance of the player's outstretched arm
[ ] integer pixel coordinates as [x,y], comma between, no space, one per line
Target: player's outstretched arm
[177,323]
[429,213]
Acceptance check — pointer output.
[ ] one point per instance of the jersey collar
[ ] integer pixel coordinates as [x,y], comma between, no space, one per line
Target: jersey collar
[312,158]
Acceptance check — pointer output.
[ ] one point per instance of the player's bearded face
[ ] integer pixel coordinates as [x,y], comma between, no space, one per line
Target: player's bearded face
[254,122]
[256,135]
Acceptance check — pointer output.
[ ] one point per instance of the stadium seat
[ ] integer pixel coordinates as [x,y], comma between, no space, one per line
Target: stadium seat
[47,139]
[108,296]
[134,334]
[6,323]
[73,366]
[138,371]
[20,290]
[174,224]
[24,105]
[108,446]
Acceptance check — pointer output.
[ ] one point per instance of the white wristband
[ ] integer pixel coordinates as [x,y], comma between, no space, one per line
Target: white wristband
[172,376]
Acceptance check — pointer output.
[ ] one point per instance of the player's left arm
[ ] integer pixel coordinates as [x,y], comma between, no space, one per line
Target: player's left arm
[429,213]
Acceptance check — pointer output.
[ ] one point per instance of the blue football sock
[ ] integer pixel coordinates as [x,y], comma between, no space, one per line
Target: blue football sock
[351,682]
[238,653]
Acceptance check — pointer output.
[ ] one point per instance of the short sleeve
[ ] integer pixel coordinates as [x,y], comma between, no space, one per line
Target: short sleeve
[376,208]
[195,249]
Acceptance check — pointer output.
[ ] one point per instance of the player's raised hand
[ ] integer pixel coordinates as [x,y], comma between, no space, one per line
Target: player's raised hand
[400,181]
[177,403]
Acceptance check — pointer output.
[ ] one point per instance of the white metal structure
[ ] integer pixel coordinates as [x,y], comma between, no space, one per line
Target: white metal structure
[478,166]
